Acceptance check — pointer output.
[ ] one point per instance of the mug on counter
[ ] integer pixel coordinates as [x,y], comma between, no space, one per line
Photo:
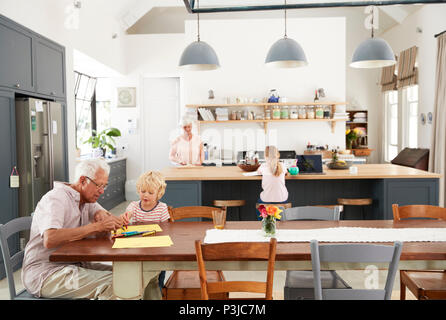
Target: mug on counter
[293,170]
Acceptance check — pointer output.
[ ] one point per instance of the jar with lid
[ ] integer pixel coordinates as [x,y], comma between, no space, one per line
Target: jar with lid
[293,112]
[310,112]
[267,114]
[326,112]
[302,112]
[276,113]
[284,113]
[319,112]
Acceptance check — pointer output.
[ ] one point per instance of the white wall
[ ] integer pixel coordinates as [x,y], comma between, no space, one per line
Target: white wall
[241,46]
[432,20]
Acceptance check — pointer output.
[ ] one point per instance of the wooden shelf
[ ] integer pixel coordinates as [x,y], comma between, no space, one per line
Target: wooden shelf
[265,104]
[265,122]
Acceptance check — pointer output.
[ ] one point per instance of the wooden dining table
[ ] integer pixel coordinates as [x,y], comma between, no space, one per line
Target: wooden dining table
[134,267]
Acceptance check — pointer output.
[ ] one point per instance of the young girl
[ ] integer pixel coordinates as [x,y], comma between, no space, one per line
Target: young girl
[151,187]
[273,178]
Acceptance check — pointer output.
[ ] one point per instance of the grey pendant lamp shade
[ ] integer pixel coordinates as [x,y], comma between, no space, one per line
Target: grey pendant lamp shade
[199,55]
[286,53]
[373,53]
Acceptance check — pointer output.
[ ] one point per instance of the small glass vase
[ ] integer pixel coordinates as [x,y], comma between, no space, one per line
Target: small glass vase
[269,226]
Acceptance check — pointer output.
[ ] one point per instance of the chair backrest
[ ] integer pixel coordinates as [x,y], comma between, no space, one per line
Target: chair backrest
[418,211]
[10,262]
[236,251]
[354,253]
[311,213]
[191,212]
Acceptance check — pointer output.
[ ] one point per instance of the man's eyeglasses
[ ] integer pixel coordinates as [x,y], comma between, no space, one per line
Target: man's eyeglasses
[98,186]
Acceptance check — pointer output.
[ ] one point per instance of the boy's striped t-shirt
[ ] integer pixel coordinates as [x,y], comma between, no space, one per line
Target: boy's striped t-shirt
[158,214]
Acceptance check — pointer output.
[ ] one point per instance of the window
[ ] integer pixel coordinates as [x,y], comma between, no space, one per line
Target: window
[93,110]
[410,109]
[391,125]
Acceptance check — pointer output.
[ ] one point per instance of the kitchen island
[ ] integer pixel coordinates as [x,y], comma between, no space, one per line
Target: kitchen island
[384,183]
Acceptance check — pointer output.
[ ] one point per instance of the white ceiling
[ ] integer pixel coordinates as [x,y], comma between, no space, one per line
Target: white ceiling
[170,19]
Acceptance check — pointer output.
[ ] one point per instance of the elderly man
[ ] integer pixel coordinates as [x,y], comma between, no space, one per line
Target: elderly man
[66,213]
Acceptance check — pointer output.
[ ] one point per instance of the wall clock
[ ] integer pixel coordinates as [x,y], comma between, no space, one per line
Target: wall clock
[126,97]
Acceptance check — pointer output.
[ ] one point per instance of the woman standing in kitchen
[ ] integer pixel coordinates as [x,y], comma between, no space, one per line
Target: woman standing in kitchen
[187,149]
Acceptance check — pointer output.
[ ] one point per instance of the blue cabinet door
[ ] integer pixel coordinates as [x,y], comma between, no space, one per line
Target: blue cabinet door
[50,68]
[16,53]
[8,196]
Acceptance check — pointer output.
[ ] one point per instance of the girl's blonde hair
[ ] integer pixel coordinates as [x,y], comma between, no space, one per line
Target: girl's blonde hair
[152,181]
[272,157]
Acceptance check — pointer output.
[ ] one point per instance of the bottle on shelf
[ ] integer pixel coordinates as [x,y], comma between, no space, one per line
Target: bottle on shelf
[316,98]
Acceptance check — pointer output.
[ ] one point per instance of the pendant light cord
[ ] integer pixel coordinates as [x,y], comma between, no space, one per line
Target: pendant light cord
[373,26]
[198,20]
[285,21]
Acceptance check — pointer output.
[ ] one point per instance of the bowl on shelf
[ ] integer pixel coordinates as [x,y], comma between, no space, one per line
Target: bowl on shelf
[338,165]
[248,167]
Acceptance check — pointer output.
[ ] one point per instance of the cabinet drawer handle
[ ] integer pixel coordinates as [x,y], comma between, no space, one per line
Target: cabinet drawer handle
[17,85]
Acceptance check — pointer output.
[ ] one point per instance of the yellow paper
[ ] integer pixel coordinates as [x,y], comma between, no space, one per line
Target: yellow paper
[140,228]
[142,242]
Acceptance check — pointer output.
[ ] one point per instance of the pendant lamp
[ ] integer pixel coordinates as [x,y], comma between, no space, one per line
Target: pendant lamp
[373,53]
[286,53]
[199,55]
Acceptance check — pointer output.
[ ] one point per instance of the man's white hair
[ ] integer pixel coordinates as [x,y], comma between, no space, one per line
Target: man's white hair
[88,168]
[186,121]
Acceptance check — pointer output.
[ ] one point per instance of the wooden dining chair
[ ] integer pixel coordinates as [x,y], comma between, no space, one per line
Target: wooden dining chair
[236,251]
[424,284]
[185,284]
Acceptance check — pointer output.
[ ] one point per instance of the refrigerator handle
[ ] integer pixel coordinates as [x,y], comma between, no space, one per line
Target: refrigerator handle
[50,145]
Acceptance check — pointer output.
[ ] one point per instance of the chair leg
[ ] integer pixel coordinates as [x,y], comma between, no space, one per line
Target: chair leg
[402,289]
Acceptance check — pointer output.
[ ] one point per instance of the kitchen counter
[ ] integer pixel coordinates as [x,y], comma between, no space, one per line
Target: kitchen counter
[385,184]
[365,171]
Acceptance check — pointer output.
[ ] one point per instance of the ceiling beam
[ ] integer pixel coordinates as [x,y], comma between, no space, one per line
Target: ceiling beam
[190,5]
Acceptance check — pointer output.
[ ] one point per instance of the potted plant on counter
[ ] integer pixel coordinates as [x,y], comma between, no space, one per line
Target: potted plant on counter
[104,139]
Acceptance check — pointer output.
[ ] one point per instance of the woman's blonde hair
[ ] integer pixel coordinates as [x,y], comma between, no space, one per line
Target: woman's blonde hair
[272,157]
[152,181]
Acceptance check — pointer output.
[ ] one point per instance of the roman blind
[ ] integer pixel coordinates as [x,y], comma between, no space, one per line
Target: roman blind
[388,79]
[407,72]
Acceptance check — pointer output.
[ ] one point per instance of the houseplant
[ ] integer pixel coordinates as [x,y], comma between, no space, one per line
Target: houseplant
[269,214]
[104,139]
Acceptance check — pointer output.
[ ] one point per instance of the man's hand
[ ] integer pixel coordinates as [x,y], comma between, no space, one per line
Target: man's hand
[126,217]
[106,224]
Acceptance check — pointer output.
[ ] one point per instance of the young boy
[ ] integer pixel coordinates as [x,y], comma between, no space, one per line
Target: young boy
[151,187]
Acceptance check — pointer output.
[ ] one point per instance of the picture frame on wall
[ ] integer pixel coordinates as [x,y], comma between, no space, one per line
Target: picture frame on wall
[126,97]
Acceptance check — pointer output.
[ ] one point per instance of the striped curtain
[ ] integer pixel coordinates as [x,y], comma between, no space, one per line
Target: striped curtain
[407,72]
[388,79]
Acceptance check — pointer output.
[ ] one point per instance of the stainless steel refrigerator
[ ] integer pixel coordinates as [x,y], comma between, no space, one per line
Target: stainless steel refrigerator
[40,150]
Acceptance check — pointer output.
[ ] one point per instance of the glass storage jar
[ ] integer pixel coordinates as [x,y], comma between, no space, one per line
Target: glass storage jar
[284,113]
[319,112]
[267,114]
[302,112]
[326,112]
[293,112]
[310,112]
[276,113]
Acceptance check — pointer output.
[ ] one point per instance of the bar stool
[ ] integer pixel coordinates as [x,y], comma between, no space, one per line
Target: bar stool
[224,204]
[356,202]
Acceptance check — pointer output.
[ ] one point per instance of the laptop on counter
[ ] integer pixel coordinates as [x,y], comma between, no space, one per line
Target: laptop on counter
[310,164]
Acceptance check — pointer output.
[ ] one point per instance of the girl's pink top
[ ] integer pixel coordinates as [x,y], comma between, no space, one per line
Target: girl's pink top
[187,151]
[274,189]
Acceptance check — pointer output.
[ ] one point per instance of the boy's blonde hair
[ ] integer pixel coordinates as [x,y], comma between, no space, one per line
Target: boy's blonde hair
[152,181]
[272,159]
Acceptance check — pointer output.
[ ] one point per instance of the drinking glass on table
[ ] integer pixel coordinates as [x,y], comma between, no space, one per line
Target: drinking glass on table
[219,219]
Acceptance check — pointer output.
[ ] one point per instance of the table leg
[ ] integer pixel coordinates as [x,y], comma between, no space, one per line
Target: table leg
[128,280]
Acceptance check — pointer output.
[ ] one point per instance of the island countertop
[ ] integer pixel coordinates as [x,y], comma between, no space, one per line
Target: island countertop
[365,171]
